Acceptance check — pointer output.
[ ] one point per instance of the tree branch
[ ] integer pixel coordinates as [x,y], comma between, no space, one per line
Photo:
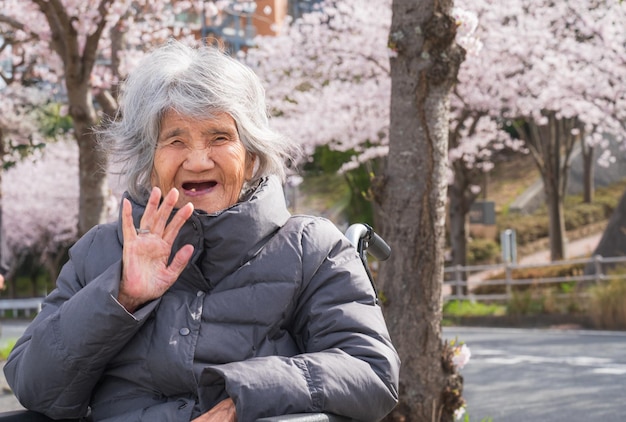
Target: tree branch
[90,53]
[12,22]
[107,102]
[64,36]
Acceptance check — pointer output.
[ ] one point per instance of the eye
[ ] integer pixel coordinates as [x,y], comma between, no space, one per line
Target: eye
[220,140]
[172,142]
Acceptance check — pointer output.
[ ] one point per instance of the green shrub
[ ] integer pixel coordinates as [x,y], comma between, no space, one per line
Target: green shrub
[552,271]
[525,303]
[543,301]
[6,347]
[482,251]
[608,201]
[534,273]
[582,214]
[528,228]
[534,299]
[608,302]
[463,308]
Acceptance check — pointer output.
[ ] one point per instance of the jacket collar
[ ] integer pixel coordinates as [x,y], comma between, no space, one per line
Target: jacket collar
[225,240]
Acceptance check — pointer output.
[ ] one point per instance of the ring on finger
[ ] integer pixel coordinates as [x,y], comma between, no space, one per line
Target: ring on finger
[143,231]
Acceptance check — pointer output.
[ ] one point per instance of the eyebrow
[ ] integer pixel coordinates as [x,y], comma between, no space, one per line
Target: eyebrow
[171,133]
[219,131]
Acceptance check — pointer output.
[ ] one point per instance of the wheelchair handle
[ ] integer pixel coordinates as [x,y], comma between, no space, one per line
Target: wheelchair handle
[364,238]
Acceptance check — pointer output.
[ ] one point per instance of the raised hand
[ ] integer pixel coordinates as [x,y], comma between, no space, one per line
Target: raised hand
[145,271]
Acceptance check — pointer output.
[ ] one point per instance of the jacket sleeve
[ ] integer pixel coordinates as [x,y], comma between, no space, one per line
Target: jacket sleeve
[349,366]
[55,365]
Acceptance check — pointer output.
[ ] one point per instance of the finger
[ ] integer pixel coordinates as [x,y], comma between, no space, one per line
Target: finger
[150,213]
[181,259]
[128,228]
[164,211]
[172,229]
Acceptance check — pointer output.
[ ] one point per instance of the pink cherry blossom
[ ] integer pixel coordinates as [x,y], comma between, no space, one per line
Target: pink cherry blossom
[461,356]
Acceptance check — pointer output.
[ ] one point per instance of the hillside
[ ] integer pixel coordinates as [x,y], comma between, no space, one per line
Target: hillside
[508,180]
[329,195]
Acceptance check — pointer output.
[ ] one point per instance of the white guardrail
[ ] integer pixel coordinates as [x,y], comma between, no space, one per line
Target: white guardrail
[461,282]
[22,306]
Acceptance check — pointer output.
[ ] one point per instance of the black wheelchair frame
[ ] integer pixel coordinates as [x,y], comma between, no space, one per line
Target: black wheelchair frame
[30,416]
[364,239]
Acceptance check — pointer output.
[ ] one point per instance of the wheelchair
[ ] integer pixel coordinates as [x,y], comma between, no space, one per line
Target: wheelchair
[364,239]
[30,416]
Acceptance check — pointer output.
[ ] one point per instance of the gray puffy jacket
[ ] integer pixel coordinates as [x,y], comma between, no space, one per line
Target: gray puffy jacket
[273,311]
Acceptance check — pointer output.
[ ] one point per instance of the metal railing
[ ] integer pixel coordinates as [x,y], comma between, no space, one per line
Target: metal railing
[461,282]
[467,282]
[24,306]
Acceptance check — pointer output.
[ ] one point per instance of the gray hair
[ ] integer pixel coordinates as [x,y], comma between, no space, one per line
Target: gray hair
[196,82]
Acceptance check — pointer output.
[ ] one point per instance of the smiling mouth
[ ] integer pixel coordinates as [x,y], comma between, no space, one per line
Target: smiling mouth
[198,187]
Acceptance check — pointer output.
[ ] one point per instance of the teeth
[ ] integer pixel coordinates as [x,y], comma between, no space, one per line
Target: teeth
[193,189]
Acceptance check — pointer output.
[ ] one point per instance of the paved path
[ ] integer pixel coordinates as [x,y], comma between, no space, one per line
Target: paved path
[515,375]
[520,375]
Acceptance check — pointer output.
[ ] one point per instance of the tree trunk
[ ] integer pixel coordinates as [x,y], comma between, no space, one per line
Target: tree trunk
[551,144]
[460,202]
[93,185]
[556,228]
[79,58]
[586,152]
[553,184]
[412,196]
[460,195]
[458,230]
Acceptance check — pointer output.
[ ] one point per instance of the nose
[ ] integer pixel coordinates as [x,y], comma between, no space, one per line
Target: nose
[199,159]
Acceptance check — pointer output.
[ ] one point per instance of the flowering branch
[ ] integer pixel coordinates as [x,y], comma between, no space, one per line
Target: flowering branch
[454,357]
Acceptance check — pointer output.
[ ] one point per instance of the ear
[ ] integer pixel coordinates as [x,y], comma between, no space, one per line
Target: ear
[154,179]
[252,165]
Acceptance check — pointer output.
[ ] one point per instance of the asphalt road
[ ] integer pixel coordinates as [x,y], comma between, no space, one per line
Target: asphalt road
[517,375]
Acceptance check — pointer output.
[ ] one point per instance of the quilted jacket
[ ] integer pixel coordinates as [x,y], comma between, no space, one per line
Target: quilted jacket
[274,311]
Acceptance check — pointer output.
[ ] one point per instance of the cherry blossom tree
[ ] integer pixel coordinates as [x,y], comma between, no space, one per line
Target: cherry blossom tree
[327,78]
[19,136]
[560,87]
[83,48]
[476,138]
[414,183]
[563,82]
[329,82]
[477,143]
[41,207]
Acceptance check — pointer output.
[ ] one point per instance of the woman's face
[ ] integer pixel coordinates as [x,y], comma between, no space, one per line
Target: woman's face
[203,158]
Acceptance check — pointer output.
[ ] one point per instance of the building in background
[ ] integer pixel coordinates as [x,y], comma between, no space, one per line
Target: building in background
[238,22]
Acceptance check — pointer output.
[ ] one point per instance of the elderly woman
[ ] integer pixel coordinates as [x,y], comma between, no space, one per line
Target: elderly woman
[207,301]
